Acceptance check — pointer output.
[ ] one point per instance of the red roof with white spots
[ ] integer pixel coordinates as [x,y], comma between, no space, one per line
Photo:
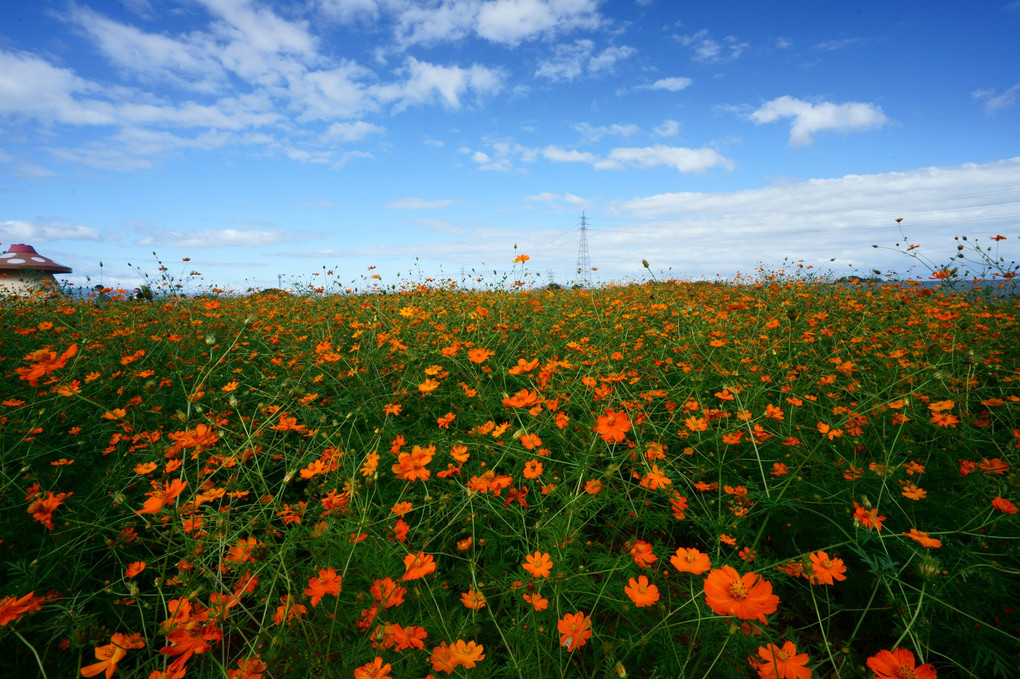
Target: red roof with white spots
[20,256]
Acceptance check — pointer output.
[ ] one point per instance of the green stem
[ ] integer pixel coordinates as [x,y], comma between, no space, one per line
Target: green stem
[38,660]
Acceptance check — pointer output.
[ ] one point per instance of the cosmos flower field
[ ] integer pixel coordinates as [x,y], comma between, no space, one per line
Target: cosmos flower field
[772,477]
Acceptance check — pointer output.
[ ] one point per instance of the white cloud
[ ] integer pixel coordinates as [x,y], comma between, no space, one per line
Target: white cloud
[20,231]
[817,220]
[24,169]
[669,84]
[31,87]
[447,21]
[997,102]
[547,197]
[707,50]
[560,155]
[419,204]
[426,82]
[571,60]
[834,45]
[187,62]
[212,238]
[512,21]
[605,60]
[348,11]
[809,119]
[668,128]
[683,159]
[352,131]
[592,133]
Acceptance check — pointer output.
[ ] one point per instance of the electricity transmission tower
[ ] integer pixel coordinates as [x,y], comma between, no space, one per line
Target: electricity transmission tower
[583,260]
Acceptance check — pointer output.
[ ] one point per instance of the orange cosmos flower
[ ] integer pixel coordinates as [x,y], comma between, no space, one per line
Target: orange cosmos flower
[538,602]
[288,610]
[429,385]
[782,663]
[13,608]
[201,438]
[134,568]
[112,653]
[642,553]
[522,399]
[145,467]
[1002,504]
[326,582]
[387,592]
[690,561]
[825,570]
[243,551]
[249,668]
[897,664]
[574,629]
[538,564]
[162,497]
[747,596]
[473,599]
[868,518]
[479,355]
[993,466]
[828,431]
[613,426]
[592,487]
[531,441]
[641,592]
[532,469]
[44,362]
[654,479]
[42,508]
[411,466]
[373,670]
[923,538]
[418,566]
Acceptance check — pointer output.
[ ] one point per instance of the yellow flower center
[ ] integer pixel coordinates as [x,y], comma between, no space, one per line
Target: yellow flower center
[738,591]
[782,656]
[906,672]
[691,557]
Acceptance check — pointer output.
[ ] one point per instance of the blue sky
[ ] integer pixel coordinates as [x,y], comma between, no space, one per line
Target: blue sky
[427,138]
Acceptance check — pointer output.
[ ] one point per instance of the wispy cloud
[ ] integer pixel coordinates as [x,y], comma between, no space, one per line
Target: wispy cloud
[674,84]
[572,60]
[44,230]
[838,44]
[596,132]
[212,238]
[997,102]
[420,204]
[709,51]
[809,118]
